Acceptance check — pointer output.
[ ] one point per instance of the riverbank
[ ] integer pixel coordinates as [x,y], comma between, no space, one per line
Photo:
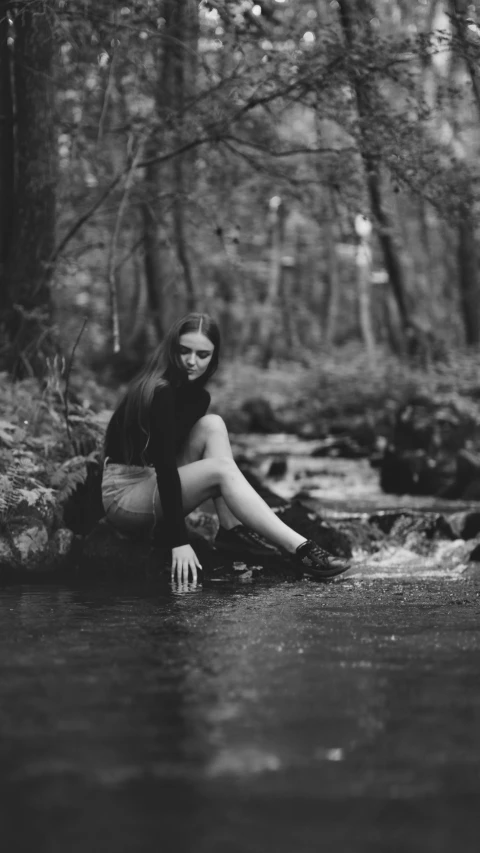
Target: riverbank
[50,451]
[342,386]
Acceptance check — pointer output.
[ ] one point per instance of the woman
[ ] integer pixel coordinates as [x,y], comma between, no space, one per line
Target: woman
[164,456]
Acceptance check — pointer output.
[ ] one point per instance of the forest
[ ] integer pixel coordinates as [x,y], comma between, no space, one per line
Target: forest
[308,173]
[304,170]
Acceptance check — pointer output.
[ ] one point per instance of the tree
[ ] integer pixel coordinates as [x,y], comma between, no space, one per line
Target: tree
[356,27]
[27,220]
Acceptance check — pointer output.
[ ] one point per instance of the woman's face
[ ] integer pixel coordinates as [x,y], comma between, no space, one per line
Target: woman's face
[196,352]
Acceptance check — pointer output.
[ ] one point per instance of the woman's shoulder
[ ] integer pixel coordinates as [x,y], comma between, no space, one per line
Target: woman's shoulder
[163,397]
[163,389]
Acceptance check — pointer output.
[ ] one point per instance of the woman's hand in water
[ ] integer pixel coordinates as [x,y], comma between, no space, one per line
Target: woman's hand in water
[184,563]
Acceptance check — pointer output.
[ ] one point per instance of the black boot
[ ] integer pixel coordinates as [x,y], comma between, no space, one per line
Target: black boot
[240,538]
[317,563]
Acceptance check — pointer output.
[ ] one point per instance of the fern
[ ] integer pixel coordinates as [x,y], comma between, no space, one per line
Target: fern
[71,474]
[12,482]
[8,497]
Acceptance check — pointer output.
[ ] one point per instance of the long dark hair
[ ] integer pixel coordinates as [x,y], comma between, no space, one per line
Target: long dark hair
[164,366]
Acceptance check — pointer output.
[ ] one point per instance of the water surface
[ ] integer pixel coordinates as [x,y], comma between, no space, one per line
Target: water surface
[292,718]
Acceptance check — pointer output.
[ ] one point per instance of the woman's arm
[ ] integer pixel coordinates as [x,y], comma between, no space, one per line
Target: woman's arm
[162,454]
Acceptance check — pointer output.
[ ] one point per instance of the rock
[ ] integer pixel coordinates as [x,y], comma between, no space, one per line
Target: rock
[427,453]
[471,492]
[343,446]
[475,554]
[464,525]
[261,417]
[60,544]
[361,432]
[203,524]
[38,503]
[278,468]
[416,531]
[104,551]
[467,483]
[237,421]
[399,522]
[30,543]
[7,556]
[254,415]
[309,429]
[312,526]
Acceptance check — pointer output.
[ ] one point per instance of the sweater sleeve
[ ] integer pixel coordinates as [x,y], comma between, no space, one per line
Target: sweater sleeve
[161,451]
[205,402]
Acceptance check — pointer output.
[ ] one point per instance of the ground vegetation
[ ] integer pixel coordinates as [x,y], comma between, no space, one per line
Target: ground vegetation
[306,171]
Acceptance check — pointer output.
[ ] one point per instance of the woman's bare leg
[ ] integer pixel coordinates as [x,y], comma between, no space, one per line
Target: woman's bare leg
[220,477]
[209,440]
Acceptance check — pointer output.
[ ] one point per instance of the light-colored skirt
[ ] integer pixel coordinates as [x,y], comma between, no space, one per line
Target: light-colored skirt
[130,497]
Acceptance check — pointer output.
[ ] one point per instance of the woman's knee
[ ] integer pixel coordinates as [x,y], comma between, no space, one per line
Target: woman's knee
[224,467]
[212,424]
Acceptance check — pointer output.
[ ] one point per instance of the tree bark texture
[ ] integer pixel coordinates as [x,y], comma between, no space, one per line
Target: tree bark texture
[363,262]
[7,161]
[468,279]
[177,72]
[27,297]
[153,269]
[459,14]
[352,17]
[179,68]
[332,295]
[270,315]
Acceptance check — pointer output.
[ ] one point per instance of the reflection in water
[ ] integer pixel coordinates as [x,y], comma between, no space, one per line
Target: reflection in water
[297,717]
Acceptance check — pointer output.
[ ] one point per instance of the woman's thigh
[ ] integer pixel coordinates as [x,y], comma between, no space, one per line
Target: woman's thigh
[139,506]
[199,481]
[194,448]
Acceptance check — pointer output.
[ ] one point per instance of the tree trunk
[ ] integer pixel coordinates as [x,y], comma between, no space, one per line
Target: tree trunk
[179,226]
[390,252]
[468,278]
[459,16]
[363,263]
[178,73]
[270,308]
[7,162]
[28,309]
[371,157]
[153,268]
[332,296]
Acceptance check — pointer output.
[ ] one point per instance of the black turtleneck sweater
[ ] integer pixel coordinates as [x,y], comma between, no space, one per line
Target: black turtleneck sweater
[173,413]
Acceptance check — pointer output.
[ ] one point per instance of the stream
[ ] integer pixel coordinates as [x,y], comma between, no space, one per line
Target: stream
[285,718]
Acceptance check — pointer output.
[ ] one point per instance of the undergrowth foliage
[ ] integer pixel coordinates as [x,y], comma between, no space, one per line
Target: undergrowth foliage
[37,451]
[10,496]
[17,479]
[71,474]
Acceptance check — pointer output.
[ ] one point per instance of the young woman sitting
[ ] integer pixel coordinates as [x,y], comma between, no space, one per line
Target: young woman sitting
[164,456]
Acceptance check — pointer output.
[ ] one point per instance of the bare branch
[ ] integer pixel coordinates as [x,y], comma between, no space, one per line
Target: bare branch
[113,246]
[67,378]
[291,151]
[162,158]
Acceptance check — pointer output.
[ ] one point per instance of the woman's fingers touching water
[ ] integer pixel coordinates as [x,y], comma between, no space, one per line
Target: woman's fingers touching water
[185,564]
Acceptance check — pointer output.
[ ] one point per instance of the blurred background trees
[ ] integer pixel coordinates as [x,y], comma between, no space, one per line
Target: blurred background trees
[165,155]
